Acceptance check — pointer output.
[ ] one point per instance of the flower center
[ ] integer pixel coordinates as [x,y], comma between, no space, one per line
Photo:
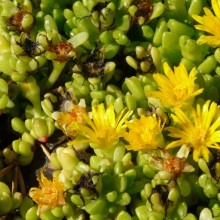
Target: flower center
[199,136]
[147,137]
[107,136]
[180,92]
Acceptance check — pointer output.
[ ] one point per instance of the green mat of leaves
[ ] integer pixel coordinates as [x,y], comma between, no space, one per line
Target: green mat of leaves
[109,109]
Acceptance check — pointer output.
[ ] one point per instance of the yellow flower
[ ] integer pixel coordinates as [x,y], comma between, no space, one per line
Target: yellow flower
[199,132]
[177,89]
[144,134]
[50,193]
[104,129]
[68,120]
[210,23]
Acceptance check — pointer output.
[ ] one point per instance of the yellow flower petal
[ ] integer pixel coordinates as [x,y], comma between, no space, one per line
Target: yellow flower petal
[216,7]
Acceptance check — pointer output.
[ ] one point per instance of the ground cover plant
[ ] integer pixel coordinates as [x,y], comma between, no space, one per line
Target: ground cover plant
[109,109]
